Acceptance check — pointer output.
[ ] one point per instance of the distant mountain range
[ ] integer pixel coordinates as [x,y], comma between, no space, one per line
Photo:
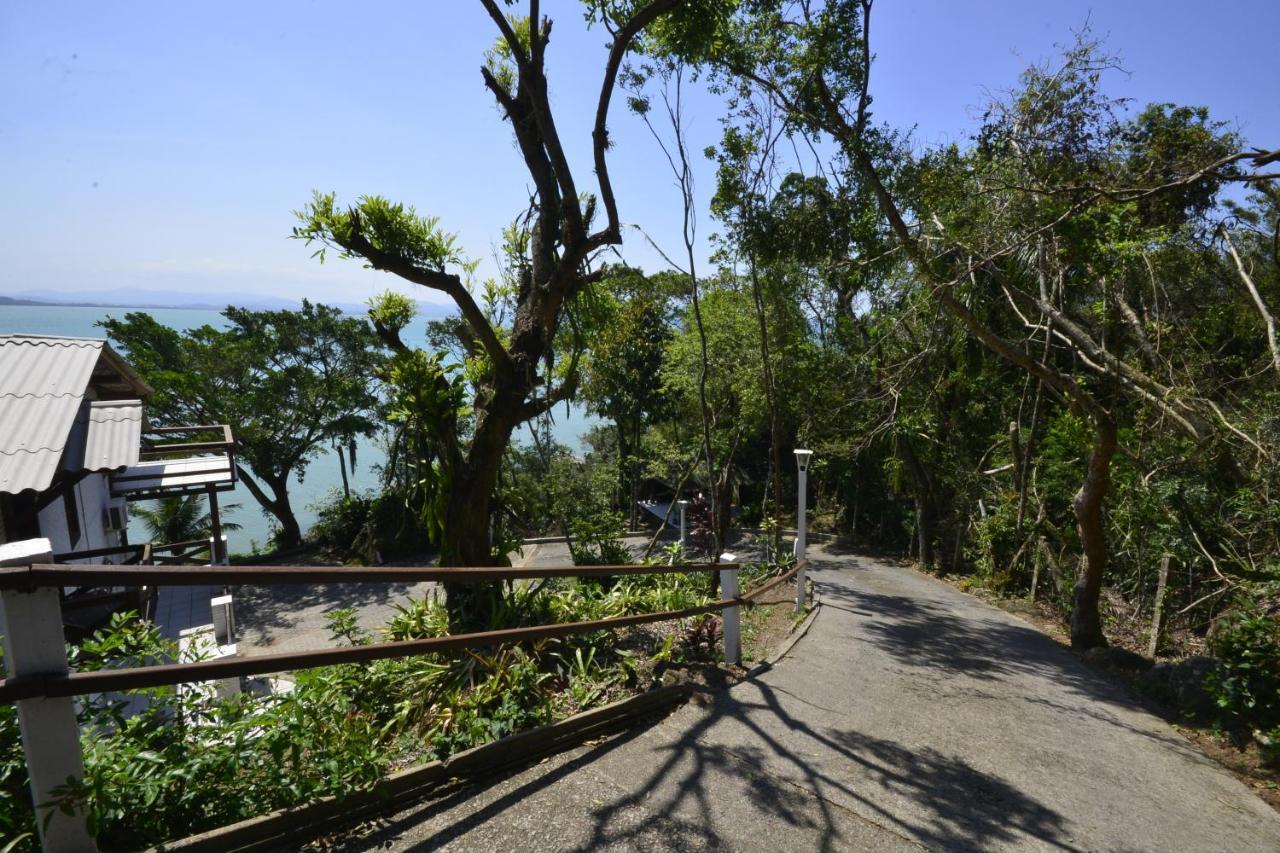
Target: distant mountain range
[138,298]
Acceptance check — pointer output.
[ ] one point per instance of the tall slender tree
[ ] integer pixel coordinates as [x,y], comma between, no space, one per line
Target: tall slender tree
[552,267]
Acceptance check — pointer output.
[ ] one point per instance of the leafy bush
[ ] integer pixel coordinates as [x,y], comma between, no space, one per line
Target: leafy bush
[1246,684]
[994,544]
[17,823]
[363,526]
[341,520]
[188,762]
[752,575]
[596,540]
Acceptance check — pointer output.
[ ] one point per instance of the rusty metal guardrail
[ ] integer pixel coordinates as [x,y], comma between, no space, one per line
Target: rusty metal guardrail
[23,579]
[41,684]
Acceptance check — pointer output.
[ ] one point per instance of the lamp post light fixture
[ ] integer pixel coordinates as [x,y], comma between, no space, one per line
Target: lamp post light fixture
[684,529]
[802,463]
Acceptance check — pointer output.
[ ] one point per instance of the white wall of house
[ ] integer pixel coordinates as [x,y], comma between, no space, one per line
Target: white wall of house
[92,497]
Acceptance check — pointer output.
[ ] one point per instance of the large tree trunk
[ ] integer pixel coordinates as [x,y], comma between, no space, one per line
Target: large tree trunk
[290,530]
[1086,624]
[559,252]
[465,538]
[923,491]
[277,504]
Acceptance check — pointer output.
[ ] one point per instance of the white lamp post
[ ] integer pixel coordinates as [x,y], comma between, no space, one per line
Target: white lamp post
[684,530]
[802,463]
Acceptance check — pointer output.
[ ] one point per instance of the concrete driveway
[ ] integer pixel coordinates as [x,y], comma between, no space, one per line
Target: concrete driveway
[909,716]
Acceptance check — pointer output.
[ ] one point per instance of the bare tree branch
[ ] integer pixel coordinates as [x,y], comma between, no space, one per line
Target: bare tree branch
[1267,319]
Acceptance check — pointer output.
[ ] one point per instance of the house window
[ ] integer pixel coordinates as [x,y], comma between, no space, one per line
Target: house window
[73,514]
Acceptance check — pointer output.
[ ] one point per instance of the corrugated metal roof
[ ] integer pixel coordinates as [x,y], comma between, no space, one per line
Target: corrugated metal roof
[107,435]
[34,366]
[43,383]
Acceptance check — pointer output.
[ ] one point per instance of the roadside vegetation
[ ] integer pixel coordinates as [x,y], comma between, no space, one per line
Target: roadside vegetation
[189,762]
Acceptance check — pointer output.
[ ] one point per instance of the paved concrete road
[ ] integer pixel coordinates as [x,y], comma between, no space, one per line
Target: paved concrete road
[294,617]
[909,716]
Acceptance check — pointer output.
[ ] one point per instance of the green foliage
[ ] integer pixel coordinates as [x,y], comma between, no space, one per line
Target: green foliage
[1072,228]
[393,310]
[500,61]
[994,541]
[387,227]
[597,540]
[426,401]
[17,821]
[341,521]
[622,377]
[183,761]
[1246,683]
[365,525]
[289,383]
[182,519]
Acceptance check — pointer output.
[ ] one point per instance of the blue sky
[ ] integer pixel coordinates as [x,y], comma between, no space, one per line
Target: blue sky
[163,145]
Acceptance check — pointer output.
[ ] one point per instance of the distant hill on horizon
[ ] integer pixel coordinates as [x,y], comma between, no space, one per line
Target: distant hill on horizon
[143,299]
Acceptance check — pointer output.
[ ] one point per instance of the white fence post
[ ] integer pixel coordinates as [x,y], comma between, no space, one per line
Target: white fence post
[31,623]
[731,616]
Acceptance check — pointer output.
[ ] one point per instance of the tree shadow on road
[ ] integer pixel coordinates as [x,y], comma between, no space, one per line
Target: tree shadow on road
[940,644]
[804,783]
[292,615]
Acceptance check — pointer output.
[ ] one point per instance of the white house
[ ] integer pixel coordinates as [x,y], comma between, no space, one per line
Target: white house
[73,454]
[71,412]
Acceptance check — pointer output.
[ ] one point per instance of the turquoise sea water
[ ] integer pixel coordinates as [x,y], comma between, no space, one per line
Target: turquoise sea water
[321,476]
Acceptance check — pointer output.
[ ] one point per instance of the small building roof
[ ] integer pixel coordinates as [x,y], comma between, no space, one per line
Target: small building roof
[45,384]
[107,435]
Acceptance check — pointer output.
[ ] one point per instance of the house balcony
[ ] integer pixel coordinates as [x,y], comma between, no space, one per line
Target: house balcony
[204,463]
[85,608]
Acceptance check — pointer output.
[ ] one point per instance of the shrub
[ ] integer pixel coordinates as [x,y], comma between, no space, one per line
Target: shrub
[1246,682]
[596,540]
[189,762]
[17,823]
[363,526]
[341,520]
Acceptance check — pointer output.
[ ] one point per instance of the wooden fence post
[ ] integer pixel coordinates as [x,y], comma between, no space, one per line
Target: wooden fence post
[1157,610]
[1055,571]
[31,622]
[1037,561]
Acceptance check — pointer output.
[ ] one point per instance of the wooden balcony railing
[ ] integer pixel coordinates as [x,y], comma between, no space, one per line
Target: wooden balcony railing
[223,445]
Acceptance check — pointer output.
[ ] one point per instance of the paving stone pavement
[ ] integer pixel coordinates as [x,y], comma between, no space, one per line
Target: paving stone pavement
[294,617]
[181,607]
[910,716]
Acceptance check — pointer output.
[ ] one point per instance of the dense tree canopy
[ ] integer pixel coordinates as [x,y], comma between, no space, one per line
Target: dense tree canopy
[289,383]
[1058,239]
